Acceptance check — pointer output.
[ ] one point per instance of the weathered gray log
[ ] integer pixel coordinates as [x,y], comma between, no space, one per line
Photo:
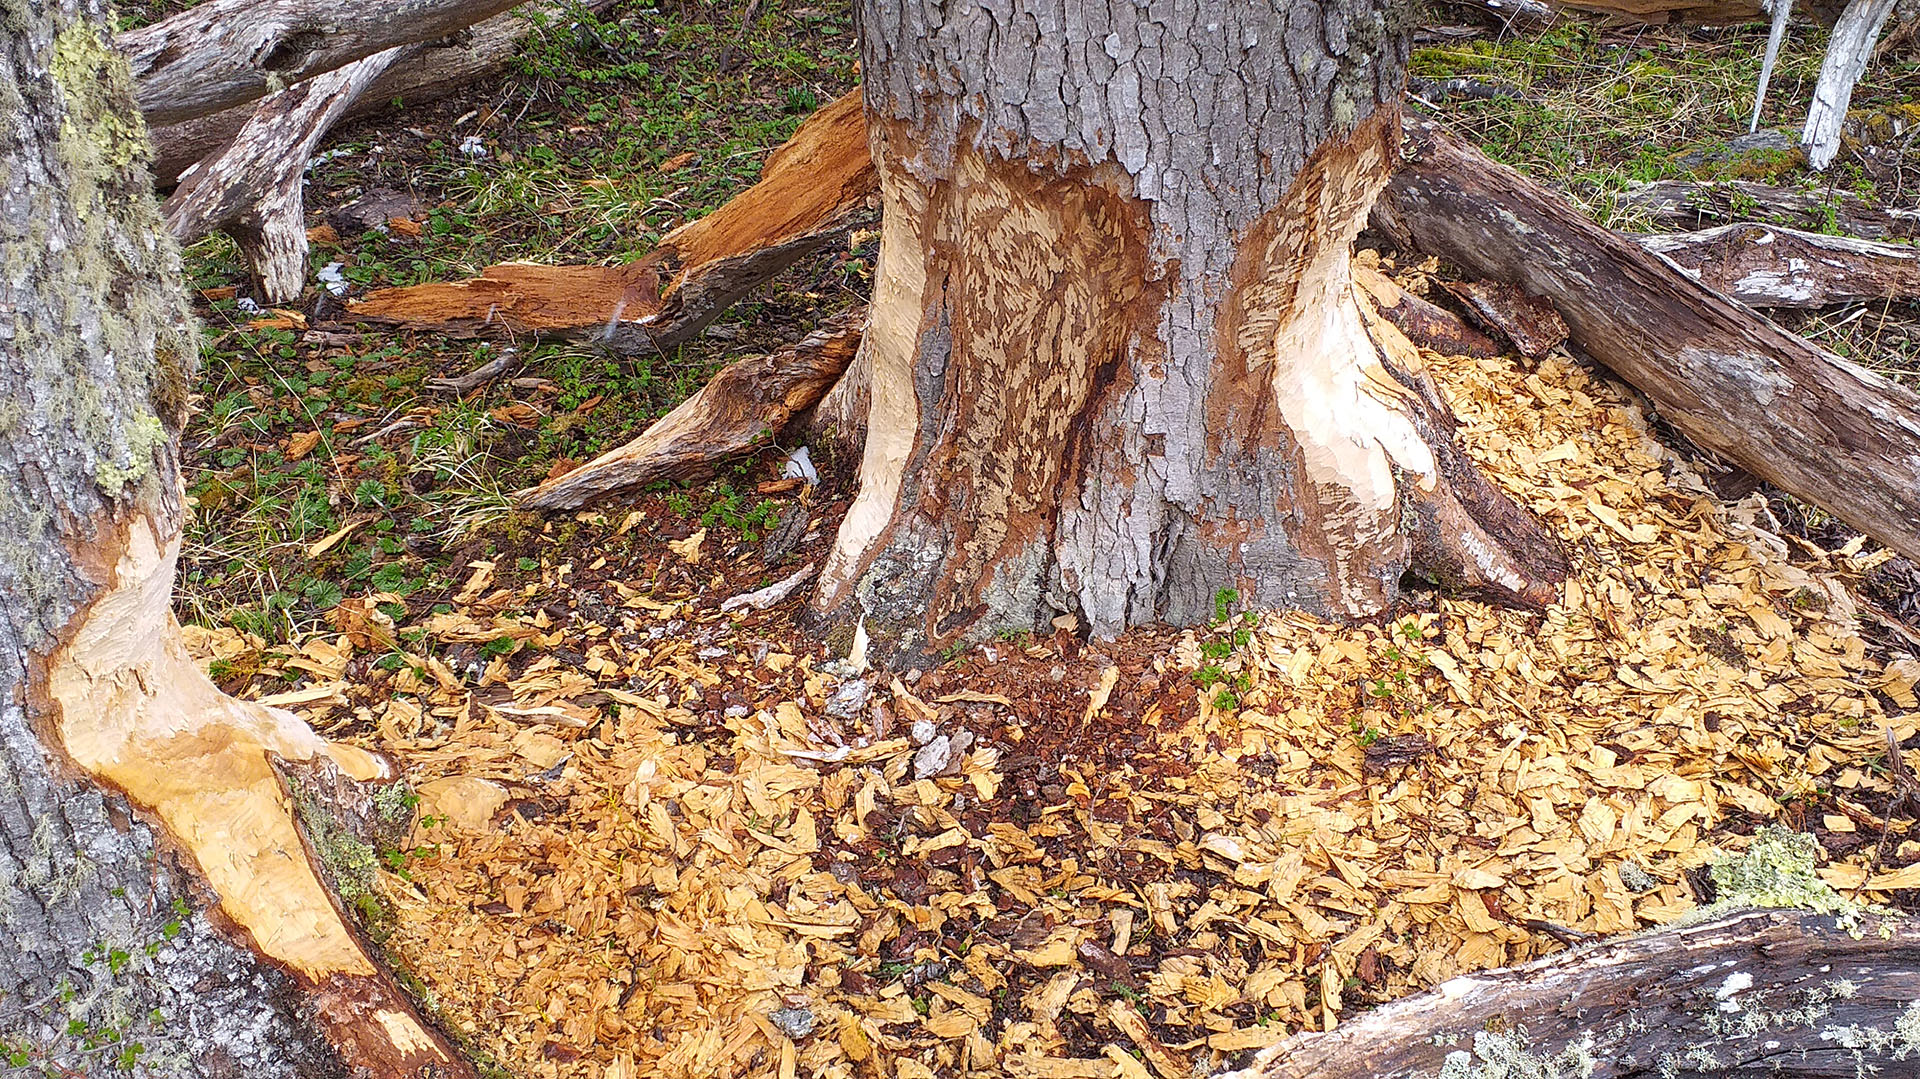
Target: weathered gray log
[1793,414]
[1685,204]
[253,190]
[1848,49]
[228,52]
[1780,993]
[1773,266]
[743,407]
[163,916]
[437,69]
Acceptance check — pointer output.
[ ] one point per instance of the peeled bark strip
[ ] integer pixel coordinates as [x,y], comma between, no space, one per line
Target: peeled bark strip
[1848,50]
[744,406]
[1684,204]
[1117,365]
[434,70]
[1770,266]
[224,53]
[1759,993]
[1793,414]
[813,188]
[150,862]
[254,189]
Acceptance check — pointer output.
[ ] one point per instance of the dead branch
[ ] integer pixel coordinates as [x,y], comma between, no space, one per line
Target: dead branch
[1772,266]
[1848,50]
[746,405]
[434,70]
[1684,204]
[1799,417]
[1752,993]
[228,52]
[813,188]
[253,189]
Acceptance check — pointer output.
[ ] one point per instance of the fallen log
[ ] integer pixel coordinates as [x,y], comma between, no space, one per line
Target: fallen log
[1425,324]
[1771,266]
[253,189]
[1784,993]
[743,407]
[436,69]
[1685,204]
[228,52]
[813,188]
[1793,414]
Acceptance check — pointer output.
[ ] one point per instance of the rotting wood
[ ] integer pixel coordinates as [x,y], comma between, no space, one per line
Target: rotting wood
[813,188]
[254,188]
[1849,48]
[1686,204]
[1424,323]
[227,52]
[1531,324]
[1758,992]
[1805,420]
[434,70]
[1773,266]
[744,406]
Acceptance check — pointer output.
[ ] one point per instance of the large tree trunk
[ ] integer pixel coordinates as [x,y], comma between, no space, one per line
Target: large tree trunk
[1117,366]
[153,882]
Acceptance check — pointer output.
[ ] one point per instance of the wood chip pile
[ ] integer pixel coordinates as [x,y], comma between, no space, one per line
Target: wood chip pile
[659,840]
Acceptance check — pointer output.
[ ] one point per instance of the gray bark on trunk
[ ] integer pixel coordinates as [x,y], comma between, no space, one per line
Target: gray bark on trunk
[121,955]
[1116,365]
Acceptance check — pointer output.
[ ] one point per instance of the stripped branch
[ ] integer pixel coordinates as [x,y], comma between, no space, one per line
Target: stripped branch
[812,189]
[1770,266]
[745,406]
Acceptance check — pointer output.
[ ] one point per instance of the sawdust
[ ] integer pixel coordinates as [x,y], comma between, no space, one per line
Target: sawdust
[663,841]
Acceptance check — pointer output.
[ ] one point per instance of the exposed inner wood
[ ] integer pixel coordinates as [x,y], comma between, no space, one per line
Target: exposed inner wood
[1755,993]
[813,188]
[1803,419]
[1009,314]
[1773,266]
[134,711]
[743,407]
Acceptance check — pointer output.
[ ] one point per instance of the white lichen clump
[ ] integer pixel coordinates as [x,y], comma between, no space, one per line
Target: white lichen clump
[1506,1056]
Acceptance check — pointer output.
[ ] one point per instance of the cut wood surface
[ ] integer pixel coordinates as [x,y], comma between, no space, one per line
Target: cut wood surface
[1773,266]
[813,188]
[1796,415]
[434,70]
[254,188]
[1780,993]
[742,407]
[1686,204]
[228,52]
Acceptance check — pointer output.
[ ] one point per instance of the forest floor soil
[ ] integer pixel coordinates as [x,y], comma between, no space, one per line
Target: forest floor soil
[662,839]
